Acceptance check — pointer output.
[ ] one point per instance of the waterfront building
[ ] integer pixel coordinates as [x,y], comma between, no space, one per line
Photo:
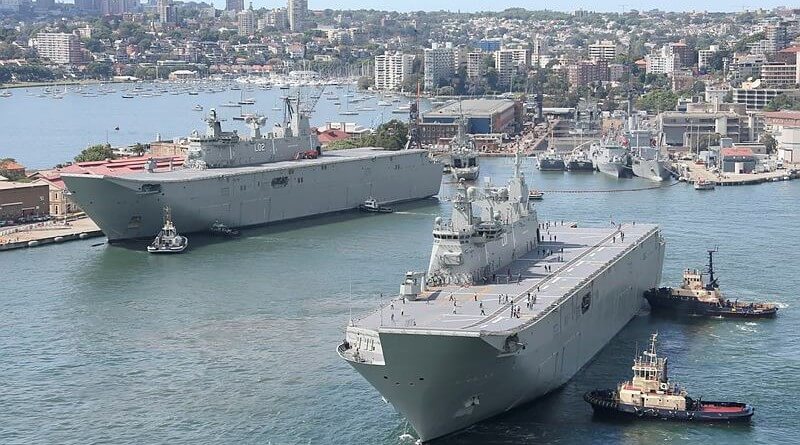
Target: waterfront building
[603,50]
[682,51]
[615,71]
[584,72]
[439,66]
[167,12]
[687,128]
[475,66]
[777,36]
[784,126]
[483,116]
[777,75]
[505,66]
[737,160]
[21,199]
[297,12]
[704,55]
[755,98]
[11,169]
[118,7]
[276,18]
[662,61]
[246,21]
[58,47]
[746,66]
[392,69]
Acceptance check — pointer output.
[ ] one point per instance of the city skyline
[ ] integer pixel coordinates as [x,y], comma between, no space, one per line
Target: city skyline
[472,6]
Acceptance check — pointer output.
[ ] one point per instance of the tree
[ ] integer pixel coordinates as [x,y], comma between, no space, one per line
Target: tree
[139,149]
[783,102]
[364,83]
[769,142]
[391,135]
[97,152]
[99,70]
[658,101]
[411,81]
[446,91]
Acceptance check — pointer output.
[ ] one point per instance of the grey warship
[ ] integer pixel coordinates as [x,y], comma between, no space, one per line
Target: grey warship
[239,182]
[509,309]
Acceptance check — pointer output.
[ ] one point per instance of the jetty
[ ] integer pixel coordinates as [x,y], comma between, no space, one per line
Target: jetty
[697,172]
[39,234]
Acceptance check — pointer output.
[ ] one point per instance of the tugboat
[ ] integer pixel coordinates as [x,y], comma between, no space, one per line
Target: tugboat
[371,206]
[222,230]
[650,395]
[696,297]
[168,240]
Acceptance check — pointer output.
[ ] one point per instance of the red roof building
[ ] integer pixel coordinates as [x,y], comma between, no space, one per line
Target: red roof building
[327,136]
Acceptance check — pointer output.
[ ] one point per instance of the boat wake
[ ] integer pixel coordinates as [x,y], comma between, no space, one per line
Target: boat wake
[747,329]
[414,213]
[781,305]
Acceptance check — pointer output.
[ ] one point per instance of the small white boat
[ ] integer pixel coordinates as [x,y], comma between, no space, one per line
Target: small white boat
[535,195]
[198,107]
[168,240]
[371,205]
[702,184]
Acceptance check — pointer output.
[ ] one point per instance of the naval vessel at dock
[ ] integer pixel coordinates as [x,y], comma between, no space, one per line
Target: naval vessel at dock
[509,309]
[238,182]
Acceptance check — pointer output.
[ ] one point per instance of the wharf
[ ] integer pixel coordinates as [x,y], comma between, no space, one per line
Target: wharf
[33,235]
[546,273]
[697,172]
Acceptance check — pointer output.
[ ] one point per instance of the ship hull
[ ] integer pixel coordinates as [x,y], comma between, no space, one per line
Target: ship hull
[250,198]
[652,169]
[444,382]
[580,166]
[552,165]
[613,169]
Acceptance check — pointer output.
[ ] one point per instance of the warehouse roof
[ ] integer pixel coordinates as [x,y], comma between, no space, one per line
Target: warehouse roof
[472,107]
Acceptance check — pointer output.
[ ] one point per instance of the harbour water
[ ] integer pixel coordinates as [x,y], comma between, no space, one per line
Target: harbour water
[234,341]
[44,131]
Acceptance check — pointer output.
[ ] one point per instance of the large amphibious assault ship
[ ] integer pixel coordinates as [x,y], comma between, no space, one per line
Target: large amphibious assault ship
[509,309]
[238,182]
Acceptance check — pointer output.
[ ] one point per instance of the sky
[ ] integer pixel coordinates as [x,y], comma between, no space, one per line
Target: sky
[559,5]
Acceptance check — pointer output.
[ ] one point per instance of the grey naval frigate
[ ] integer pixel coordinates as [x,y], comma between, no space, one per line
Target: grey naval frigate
[509,309]
[238,181]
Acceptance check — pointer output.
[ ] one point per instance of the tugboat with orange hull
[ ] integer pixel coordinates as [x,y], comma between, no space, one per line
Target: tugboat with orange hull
[696,297]
[650,395]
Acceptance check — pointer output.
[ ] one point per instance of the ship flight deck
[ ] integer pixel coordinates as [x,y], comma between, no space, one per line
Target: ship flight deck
[572,255]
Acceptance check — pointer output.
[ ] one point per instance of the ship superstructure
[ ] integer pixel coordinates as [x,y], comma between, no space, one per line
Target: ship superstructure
[611,159]
[509,309]
[646,158]
[245,181]
[464,161]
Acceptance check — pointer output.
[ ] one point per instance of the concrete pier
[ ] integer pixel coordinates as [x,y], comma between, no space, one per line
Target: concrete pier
[33,235]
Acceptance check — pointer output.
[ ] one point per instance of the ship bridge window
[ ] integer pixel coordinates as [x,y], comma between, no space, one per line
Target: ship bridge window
[280,181]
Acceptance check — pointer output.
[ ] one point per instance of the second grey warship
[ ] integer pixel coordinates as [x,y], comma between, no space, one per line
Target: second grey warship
[239,182]
[509,309]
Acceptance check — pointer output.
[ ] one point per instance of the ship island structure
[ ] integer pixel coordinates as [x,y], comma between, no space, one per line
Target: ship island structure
[239,181]
[509,309]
